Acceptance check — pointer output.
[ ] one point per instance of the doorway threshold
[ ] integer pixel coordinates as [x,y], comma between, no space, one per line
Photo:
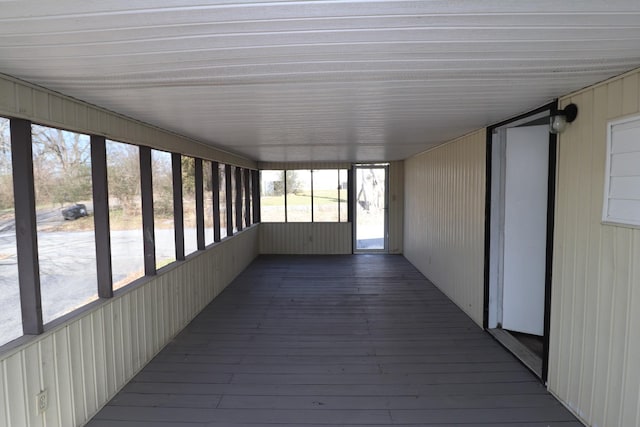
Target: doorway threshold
[530,359]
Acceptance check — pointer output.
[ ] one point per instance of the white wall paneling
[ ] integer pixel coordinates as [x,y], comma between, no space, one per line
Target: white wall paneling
[83,362]
[595,319]
[305,238]
[444,210]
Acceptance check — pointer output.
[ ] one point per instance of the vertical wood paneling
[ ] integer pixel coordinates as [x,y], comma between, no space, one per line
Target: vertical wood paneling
[444,219]
[31,374]
[595,320]
[305,238]
[48,373]
[63,382]
[396,206]
[83,363]
[4,407]
[15,389]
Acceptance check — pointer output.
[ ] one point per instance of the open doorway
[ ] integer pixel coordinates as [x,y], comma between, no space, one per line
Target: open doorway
[521,179]
[371,201]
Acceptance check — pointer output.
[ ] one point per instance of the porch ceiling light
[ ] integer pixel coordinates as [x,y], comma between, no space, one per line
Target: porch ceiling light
[558,120]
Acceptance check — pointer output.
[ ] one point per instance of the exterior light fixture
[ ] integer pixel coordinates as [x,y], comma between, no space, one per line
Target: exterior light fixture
[558,120]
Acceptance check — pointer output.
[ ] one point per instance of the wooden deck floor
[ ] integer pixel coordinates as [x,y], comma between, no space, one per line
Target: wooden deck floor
[333,340]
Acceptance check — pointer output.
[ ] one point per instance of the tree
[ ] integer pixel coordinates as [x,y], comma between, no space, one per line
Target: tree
[6,180]
[62,165]
[123,172]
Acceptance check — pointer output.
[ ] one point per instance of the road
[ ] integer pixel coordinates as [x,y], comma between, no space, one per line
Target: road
[67,270]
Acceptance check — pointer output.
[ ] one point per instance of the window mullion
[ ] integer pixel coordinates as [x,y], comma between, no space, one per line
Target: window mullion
[26,230]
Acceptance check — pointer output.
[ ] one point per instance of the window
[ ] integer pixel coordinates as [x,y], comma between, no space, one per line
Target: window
[343,191]
[223,199]
[243,214]
[234,204]
[272,196]
[622,180]
[311,195]
[207,185]
[125,212]
[298,193]
[10,315]
[163,221]
[189,204]
[326,195]
[64,207]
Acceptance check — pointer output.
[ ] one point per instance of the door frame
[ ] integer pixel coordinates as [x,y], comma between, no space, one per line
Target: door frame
[550,108]
[354,190]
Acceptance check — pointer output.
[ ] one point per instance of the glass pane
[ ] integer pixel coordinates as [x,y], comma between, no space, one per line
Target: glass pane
[10,314]
[64,208]
[272,196]
[250,198]
[344,190]
[223,201]
[233,198]
[325,195]
[163,222]
[125,213]
[298,195]
[207,185]
[189,204]
[370,208]
[244,199]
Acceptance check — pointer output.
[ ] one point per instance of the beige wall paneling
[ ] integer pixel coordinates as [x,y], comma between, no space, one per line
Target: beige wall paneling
[42,106]
[396,206]
[444,207]
[83,362]
[305,238]
[595,319]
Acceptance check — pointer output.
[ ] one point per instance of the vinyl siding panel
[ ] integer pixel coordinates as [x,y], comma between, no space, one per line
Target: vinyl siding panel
[305,238]
[595,319]
[444,219]
[396,207]
[23,100]
[83,362]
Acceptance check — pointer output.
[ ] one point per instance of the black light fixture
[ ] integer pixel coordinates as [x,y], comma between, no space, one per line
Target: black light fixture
[559,119]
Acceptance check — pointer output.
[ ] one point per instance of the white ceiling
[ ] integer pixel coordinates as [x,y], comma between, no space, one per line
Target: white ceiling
[319,80]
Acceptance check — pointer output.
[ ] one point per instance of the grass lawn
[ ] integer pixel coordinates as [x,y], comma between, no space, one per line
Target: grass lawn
[320,197]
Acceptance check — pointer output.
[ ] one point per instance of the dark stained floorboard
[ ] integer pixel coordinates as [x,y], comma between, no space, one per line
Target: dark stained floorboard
[333,340]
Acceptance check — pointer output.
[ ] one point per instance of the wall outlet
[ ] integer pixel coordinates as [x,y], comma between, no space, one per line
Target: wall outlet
[42,401]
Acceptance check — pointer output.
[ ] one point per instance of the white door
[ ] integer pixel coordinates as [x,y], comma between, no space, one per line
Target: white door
[525,229]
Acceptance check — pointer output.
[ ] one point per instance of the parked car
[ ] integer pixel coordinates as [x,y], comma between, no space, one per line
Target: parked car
[74,212]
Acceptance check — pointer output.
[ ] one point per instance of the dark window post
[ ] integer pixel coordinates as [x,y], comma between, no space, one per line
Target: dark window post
[239,198]
[199,204]
[26,231]
[148,230]
[101,215]
[215,170]
[229,194]
[256,196]
[178,215]
[247,198]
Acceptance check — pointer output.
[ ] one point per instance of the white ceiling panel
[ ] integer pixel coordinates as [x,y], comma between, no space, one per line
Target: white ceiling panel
[319,80]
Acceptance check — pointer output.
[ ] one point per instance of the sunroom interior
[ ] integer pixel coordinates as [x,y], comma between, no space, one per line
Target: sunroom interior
[165,164]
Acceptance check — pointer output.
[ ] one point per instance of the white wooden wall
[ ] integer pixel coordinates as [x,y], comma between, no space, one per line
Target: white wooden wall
[594,361]
[305,238]
[396,207]
[444,208]
[23,100]
[85,361]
